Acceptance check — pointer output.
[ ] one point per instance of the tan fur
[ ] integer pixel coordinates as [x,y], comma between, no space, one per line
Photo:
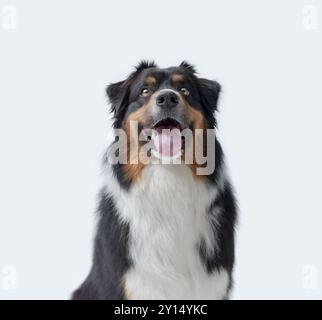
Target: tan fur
[196,118]
[176,79]
[151,81]
[133,168]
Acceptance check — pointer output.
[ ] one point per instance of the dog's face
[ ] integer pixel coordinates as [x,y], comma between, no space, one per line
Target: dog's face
[161,99]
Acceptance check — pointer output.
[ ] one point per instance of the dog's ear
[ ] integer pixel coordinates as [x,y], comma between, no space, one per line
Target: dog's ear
[113,91]
[209,90]
[144,64]
[118,93]
[209,93]
[188,67]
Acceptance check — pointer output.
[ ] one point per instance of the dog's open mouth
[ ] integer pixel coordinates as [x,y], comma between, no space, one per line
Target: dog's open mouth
[167,124]
[167,138]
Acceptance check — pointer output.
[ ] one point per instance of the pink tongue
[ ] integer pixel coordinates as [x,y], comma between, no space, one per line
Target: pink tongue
[167,144]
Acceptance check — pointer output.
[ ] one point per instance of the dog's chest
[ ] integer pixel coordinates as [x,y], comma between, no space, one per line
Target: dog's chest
[167,214]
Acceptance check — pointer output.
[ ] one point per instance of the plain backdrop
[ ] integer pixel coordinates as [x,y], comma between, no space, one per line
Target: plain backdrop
[54,128]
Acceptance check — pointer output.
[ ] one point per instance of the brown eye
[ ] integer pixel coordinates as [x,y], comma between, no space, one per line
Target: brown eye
[185,91]
[145,92]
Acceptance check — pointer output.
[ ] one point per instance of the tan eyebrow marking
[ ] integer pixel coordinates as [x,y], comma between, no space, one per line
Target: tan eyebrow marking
[176,78]
[151,81]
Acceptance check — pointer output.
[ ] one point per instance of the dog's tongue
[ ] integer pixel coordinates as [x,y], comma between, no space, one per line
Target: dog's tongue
[167,142]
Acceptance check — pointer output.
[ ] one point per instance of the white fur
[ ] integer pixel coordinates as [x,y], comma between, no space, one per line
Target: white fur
[167,214]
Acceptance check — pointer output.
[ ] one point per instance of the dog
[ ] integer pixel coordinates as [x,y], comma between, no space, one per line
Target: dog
[164,231]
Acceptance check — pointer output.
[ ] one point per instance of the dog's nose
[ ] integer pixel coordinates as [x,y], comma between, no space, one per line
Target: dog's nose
[167,99]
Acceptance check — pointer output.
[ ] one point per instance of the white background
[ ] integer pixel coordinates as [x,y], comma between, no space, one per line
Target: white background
[54,126]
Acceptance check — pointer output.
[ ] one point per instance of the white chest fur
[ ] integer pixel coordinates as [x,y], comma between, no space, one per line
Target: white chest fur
[167,214]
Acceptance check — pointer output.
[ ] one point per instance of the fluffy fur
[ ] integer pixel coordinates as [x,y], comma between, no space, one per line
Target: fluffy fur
[163,233]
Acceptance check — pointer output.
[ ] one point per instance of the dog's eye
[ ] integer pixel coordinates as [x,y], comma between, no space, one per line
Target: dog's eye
[145,92]
[185,91]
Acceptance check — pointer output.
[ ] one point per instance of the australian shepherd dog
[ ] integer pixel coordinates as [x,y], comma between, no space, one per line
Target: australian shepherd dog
[167,211]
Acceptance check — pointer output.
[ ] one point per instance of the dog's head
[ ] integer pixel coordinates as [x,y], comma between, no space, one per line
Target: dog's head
[164,98]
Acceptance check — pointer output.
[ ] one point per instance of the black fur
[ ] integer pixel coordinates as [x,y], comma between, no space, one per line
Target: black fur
[111,257]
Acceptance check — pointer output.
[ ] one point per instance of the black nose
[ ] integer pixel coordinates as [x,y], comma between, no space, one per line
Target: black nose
[167,99]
